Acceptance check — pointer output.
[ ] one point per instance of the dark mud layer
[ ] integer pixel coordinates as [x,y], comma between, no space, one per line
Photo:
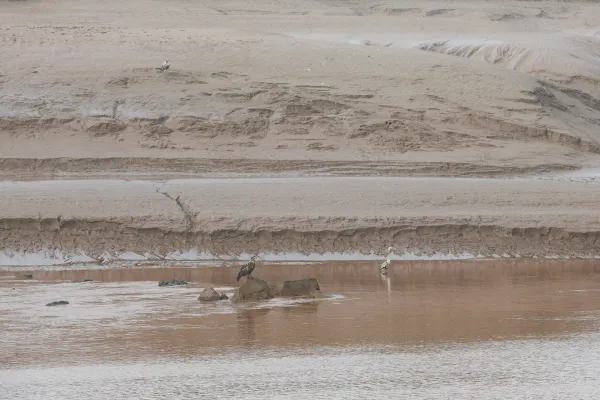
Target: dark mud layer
[174,167]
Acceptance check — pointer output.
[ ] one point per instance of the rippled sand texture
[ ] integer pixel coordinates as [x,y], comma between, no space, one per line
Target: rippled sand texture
[387,88]
[428,330]
[328,88]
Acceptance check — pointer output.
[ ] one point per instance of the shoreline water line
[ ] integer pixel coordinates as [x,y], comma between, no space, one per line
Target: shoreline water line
[206,259]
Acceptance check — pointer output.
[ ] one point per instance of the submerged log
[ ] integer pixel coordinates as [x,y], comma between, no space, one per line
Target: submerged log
[172,282]
[57,303]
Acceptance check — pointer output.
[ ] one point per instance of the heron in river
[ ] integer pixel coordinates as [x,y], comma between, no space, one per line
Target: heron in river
[386,264]
[247,268]
[164,66]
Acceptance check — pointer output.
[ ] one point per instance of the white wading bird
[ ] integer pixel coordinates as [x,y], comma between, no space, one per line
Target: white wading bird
[386,264]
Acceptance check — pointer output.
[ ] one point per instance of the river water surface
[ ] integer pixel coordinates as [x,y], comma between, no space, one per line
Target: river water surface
[500,329]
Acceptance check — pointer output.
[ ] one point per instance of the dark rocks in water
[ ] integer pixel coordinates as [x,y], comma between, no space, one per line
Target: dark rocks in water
[26,276]
[253,289]
[276,289]
[57,303]
[257,289]
[172,282]
[302,287]
[210,294]
[308,288]
[82,280]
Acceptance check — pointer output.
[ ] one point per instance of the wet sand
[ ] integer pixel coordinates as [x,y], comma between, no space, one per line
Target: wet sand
[429,329]
[78,220]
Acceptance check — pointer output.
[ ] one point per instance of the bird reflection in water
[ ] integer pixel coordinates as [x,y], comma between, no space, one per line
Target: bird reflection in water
[303,308]
[388,282]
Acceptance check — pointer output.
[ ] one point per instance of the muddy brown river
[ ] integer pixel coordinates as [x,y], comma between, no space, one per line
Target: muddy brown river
[476,329]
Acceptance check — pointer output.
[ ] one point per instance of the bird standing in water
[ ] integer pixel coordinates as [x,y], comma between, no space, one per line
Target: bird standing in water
[386,264]
[247,269]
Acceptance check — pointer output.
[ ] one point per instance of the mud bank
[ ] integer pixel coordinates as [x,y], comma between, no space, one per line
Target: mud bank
[177,167]
[100,219]
[97,241]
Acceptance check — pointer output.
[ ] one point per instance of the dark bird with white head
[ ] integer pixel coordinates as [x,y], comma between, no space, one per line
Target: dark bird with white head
[247,268]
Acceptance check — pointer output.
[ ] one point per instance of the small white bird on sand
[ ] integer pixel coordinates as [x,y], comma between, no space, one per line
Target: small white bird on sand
[165,66]
[386,264]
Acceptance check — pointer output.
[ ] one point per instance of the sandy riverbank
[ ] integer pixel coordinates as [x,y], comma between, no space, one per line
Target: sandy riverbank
[473,88]
[525,217]
[369,88]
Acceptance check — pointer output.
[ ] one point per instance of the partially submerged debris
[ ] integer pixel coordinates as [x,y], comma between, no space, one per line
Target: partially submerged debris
[172,282]
[57,303]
